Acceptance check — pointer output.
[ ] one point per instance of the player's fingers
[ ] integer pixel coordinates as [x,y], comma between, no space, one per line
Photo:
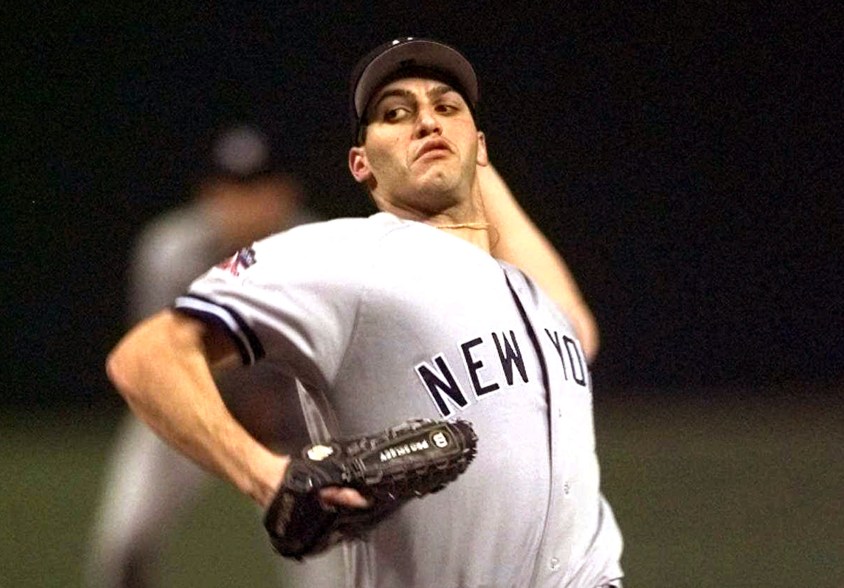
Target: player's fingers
[348,497]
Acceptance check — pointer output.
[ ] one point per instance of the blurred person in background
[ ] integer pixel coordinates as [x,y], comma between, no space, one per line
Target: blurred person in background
[148,486]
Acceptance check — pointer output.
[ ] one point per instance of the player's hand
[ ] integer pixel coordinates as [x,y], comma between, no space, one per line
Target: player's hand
[341,496]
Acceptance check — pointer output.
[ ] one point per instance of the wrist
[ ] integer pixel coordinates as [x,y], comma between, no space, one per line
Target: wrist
[267,478]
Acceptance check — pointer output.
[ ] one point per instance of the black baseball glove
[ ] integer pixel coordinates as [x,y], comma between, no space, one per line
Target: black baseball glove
[416,458]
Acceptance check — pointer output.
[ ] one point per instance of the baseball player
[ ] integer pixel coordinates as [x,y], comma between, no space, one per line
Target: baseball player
[402,314]
[148,484]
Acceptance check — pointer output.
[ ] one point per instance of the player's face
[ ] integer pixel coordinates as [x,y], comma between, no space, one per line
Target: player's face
[421,149]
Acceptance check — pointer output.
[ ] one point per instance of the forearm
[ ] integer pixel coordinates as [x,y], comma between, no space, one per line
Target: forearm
[541,262]
[161,368]
[517,240]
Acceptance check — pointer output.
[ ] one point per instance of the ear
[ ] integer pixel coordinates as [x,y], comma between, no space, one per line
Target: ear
[482,157]
[359,164]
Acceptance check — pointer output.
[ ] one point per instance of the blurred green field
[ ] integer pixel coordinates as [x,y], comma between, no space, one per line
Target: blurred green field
[721,490]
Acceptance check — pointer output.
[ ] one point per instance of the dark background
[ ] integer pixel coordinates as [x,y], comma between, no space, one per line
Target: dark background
[686,160]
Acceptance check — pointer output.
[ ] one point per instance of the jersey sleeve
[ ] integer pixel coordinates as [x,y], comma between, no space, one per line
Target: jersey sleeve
[291,298]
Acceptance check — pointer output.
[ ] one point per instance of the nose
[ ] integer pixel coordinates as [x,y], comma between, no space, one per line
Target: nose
[427,123]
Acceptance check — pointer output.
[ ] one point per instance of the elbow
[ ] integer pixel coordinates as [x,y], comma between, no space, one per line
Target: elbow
[119,372]
[114,371]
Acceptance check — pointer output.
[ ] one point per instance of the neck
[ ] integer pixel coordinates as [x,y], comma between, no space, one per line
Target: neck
[465,218]
[475,232]
[467,222]
[474,229]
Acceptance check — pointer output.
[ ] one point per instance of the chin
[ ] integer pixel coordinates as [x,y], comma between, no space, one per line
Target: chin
[438,180]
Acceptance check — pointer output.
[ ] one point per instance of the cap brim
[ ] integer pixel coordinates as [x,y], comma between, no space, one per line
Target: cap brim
[415,53]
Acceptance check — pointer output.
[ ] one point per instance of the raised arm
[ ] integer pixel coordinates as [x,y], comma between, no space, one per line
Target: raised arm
[517,240]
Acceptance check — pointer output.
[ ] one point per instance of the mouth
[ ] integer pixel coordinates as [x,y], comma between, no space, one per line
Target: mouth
[433,148]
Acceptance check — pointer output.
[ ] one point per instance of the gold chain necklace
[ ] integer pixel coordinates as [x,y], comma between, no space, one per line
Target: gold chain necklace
[476,226]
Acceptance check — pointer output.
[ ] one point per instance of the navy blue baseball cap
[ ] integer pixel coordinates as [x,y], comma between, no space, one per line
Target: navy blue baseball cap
[389,60]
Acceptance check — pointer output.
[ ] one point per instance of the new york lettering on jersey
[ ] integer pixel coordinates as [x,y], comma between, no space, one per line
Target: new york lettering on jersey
[443,384]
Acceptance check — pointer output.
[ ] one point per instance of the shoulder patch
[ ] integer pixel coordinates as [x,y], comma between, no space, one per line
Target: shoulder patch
[243,259]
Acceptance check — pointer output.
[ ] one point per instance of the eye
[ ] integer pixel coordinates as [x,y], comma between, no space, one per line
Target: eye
[395,113]
[447,108]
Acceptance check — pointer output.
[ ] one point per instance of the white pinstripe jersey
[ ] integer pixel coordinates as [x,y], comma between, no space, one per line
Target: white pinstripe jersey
[384,319]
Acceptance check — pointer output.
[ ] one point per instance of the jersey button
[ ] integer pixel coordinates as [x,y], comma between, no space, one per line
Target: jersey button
[554,564]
